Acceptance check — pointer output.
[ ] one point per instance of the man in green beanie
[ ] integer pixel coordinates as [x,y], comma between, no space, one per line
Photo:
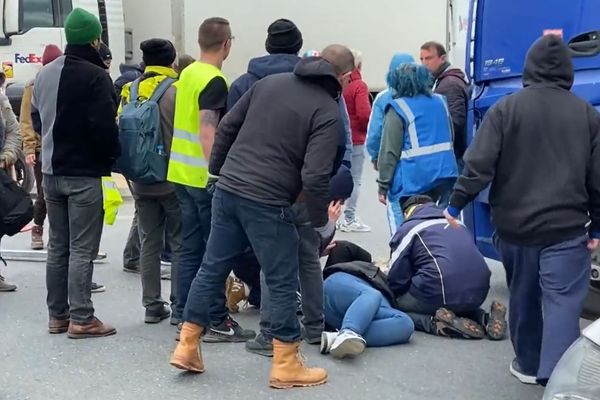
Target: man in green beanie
[74,98]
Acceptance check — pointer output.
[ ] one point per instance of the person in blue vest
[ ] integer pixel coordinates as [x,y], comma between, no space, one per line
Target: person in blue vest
[380,105]
[416,154]
[439,277]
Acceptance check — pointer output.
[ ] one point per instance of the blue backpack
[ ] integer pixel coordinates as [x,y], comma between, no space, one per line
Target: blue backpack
[143,157]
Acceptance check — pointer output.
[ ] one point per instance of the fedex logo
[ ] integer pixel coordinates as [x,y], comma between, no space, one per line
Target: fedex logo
[27,59]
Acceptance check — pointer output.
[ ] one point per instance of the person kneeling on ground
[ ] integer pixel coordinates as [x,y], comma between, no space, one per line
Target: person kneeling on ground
[440,278]
[359,304]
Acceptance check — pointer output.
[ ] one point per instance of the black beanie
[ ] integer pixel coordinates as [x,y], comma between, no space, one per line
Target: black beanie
[105,53]
[416,200]
[158,52]
[283,37]
[341,184]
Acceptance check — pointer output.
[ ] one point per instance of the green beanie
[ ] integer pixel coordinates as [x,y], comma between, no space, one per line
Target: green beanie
[82,27]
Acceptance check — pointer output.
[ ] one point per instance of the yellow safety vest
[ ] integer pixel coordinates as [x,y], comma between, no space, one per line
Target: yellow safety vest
[187,163]
[111,199]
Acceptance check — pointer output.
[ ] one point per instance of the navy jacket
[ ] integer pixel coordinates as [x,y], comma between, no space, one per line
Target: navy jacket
[436,263]
[258,68]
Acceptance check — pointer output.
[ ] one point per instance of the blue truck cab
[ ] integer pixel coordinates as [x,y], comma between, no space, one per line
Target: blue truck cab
[499,35]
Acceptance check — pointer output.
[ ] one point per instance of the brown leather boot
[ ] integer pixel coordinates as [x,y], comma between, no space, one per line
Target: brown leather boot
[37,238]
[92,330]
[288,368]
[188,354]
[56,325]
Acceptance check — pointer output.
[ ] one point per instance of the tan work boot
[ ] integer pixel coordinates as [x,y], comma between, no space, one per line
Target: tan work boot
[188,355]
[288,368]
[37,238]
[56,325]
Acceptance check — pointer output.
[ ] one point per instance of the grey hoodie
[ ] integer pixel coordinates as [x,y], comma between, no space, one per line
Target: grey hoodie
[280,139]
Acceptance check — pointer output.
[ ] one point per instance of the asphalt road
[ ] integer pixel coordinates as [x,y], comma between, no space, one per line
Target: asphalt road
[134,363]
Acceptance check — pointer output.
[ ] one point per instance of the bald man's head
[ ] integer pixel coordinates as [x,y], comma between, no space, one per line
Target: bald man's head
[340,57]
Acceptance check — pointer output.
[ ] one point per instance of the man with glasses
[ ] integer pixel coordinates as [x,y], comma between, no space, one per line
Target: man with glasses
[277,144]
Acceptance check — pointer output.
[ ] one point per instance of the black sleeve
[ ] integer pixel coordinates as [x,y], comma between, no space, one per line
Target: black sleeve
[227,132]
[214,95]
[593,175]
[480,160]
[318,164]
[102,118]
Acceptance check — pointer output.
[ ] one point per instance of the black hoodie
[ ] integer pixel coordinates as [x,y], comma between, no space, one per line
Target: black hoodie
[281,138]
[540,150]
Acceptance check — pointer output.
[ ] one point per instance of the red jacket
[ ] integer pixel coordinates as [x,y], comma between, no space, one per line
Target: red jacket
[356,96]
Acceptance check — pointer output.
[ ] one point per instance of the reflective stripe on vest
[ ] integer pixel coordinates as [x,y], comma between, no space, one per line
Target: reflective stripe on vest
[188,165]
[416,150]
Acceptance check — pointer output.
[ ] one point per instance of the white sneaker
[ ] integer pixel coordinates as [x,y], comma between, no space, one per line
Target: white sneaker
[327,339]
[354,226]
[347,344]
[515,370]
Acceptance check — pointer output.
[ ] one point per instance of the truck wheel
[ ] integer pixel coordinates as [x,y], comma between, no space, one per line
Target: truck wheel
[25,175]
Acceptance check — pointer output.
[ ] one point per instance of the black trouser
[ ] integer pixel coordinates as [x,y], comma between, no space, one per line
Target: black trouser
[39,207]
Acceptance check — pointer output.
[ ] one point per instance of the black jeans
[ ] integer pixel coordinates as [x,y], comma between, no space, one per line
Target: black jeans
[347,252]
[236,224]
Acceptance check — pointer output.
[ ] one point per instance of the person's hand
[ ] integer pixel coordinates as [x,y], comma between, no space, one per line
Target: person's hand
[30,159]
[455,223]
[334,211]
[383,199]
[592,244]
[328,249]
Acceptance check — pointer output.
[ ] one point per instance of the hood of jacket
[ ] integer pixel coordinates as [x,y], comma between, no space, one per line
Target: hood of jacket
[136,68]
[86,52]
[426,211]
[549,64]
[321,72]
[455,72]
[399,59]
[272,64]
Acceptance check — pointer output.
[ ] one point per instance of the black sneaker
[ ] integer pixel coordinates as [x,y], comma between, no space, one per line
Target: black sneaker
[98,288]
[517,372]
[228,332]
[154,317]
[261,346]
[132,270]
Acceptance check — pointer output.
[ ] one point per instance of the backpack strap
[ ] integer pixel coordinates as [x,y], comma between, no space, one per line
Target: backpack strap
[134,89]
[162,88]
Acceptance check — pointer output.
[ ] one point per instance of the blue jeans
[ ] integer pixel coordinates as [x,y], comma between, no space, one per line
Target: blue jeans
[195,207]
[548,285]
[351,303]
[358,163]
[394,214]
[237,223]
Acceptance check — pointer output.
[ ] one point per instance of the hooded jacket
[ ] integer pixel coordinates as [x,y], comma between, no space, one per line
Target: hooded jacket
[271,64]
[452,84]
[436,265]
[75,98]
[129,73]
[357,95]
[540,150]
[383,99]
[272,145]
[259,68]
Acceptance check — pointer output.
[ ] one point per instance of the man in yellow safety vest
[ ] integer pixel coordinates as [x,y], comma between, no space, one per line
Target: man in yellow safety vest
[199,105]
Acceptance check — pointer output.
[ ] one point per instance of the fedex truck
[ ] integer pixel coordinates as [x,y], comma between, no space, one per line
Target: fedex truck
[29,25]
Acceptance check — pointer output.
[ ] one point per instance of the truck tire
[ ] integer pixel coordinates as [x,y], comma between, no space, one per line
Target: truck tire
[24,172]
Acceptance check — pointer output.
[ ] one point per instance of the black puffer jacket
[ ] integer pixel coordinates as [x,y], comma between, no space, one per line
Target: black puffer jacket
[366,271]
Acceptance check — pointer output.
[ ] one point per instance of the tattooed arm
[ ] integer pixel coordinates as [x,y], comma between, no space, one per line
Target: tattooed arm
[209,119]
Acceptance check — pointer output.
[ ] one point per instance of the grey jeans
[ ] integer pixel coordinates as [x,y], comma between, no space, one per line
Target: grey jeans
[358,162]
[75,215]
[131,253]
[158,215]
[311,281]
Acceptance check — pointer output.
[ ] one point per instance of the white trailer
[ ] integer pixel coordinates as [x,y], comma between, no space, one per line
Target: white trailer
[378,29]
